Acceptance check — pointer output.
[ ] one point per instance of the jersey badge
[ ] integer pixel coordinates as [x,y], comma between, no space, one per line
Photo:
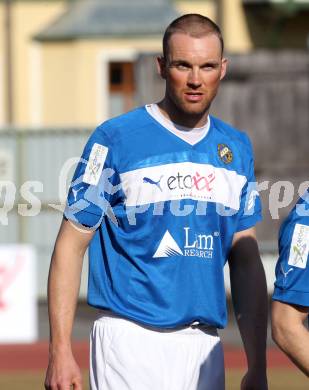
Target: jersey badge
[95,164]
[225,153]
[299,246]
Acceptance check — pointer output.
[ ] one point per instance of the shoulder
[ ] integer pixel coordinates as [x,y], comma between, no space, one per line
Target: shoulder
[124,125]
[299,215]
[233,134]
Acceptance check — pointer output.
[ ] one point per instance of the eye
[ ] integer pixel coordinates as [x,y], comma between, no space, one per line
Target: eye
[182,66]
[209,66]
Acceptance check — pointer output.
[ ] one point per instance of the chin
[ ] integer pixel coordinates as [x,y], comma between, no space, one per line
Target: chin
[194,111]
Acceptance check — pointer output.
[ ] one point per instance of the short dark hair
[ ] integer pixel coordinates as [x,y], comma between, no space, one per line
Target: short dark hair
[195,25]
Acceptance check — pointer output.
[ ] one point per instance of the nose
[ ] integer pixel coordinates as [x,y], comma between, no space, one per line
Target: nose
[194,79]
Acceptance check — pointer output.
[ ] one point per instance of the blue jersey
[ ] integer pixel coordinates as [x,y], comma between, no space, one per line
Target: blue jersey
[165,213]
[292,269]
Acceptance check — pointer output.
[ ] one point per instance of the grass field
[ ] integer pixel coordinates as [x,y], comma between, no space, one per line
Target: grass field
[279,379]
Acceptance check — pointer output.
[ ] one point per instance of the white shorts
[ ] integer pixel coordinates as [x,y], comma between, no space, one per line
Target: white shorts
[127,356]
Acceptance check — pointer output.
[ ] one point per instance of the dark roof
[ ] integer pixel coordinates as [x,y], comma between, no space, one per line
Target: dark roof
[297,4]
[110,18]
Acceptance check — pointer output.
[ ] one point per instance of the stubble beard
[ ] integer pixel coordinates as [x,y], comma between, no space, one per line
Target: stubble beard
[193,111]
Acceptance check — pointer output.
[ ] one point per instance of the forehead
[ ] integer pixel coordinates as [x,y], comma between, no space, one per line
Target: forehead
[183,46]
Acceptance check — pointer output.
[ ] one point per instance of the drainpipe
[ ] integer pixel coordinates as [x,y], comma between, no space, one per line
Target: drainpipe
[219,13]
[8,61]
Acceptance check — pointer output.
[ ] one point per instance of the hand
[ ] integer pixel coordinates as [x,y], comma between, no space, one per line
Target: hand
[62,373]
[254,381]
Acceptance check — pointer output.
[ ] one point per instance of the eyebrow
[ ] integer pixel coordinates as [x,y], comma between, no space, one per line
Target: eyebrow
[187,63]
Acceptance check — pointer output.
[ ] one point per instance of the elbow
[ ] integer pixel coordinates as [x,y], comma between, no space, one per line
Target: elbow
[278,331]
[283,331]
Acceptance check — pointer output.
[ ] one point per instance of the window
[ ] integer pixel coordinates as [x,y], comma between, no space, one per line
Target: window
[121,87]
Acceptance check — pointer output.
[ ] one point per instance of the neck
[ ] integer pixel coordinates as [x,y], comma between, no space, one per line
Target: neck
[179,117]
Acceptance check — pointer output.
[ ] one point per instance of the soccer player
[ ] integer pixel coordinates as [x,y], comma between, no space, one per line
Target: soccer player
[291,295]
[164,196]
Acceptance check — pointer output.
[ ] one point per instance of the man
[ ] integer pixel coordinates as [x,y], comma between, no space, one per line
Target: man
[165,190]
[291,295]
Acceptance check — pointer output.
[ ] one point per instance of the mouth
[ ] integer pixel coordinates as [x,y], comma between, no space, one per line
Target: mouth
[194,96]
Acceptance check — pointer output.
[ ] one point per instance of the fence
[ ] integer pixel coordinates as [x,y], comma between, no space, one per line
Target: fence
[35,170]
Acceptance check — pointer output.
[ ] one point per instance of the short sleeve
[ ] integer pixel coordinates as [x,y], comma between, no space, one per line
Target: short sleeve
[250,203]
[94,187]
[292,271]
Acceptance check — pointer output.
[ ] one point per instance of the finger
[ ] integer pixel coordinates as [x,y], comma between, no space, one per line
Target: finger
[78,385]
[48,386]
[66,386]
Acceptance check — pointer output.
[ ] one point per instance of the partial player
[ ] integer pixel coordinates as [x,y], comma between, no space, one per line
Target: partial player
[290,308]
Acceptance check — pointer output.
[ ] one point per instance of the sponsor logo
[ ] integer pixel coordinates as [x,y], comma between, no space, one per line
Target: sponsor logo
[200,182]
[193,245]
[75,192]
[252,197]
[299,246]
[186,180]
[285,274]
[168,247]
[95,164]
[225,153]
[150,181]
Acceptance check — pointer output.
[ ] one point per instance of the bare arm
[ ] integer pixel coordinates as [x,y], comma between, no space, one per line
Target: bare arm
[249,295]
[63,289]
[290,333]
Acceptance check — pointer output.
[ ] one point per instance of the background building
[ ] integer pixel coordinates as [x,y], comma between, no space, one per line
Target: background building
[71,63]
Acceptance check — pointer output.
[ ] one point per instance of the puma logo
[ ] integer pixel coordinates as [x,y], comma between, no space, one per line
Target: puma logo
[150,181]
[75,192]
[285,273]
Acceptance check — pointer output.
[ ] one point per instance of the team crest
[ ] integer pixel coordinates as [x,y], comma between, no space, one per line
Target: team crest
[225,153]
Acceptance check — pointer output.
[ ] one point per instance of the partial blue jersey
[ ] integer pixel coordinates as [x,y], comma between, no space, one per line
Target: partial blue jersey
[292,269]
[165,213]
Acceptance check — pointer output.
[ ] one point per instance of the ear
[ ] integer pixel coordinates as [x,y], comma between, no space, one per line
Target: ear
[161,67]
[223,68]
